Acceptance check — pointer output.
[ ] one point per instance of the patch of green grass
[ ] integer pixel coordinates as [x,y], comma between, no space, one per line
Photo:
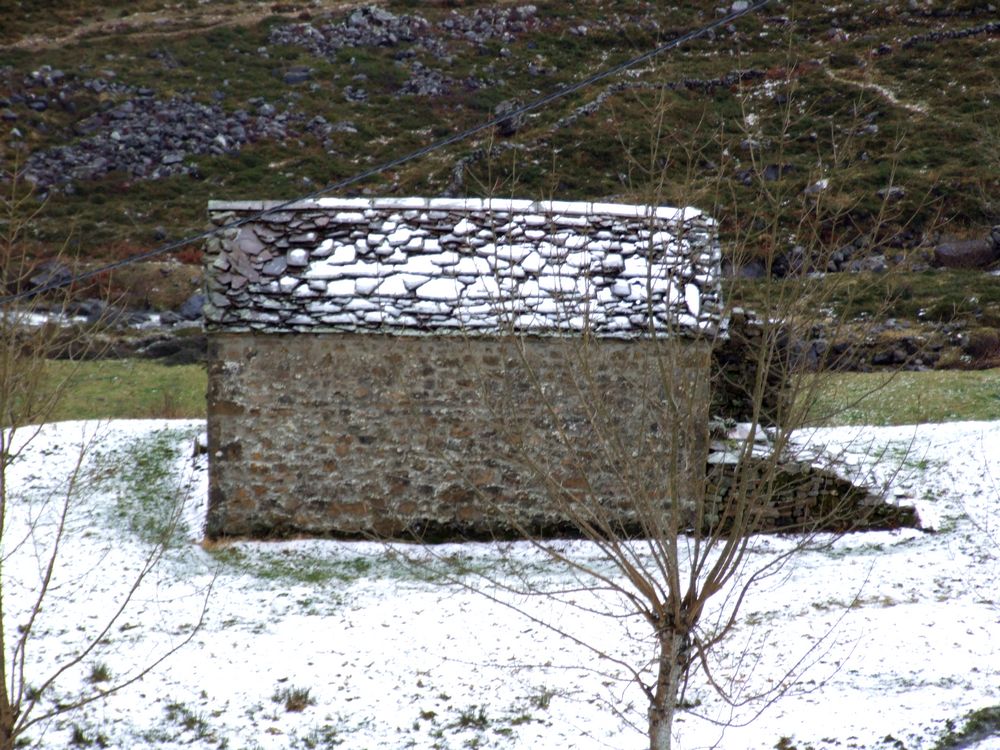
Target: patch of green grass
[542,699]
[295,699]
[880,398]
[80,738]
[324,737]
[148,494]
[128,389]
[179,721]
[100,673]
[976,726]
[48,17]
[298,568]
[473,717]
[787,743]
[187,719]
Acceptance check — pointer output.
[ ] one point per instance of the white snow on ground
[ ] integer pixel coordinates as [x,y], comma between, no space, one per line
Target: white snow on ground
[900,624]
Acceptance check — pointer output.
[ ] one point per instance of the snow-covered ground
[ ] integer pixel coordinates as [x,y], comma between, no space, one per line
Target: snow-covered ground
[896,628]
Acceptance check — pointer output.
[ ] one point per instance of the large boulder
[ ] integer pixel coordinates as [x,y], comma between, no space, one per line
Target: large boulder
[51,273]
[967,253]
[191,309]
[174,349]
[510,125]
[99,313]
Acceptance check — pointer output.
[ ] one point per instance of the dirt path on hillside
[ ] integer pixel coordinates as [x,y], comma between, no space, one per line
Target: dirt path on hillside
[867,85]
[159,24]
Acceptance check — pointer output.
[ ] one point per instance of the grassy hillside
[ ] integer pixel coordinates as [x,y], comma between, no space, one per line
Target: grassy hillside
[864,93]
[128,389]
[135,389]
[127,117]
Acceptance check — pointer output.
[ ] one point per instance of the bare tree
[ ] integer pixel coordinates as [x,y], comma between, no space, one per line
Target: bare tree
[37,528]
[617,439]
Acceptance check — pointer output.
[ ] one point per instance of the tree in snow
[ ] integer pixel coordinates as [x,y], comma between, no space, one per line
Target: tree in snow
[36,686]
[676,574]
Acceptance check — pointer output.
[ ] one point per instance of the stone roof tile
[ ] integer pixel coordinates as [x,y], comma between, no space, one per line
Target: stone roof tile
[484,266]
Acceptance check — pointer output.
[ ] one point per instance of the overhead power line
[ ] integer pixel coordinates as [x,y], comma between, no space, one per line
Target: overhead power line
[372,171]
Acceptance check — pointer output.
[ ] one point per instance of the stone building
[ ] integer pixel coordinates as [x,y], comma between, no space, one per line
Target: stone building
[455,367]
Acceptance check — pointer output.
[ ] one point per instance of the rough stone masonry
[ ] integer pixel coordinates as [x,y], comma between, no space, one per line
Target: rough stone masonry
[455,368]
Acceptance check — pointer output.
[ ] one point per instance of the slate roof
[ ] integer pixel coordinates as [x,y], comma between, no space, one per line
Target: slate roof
[473,266]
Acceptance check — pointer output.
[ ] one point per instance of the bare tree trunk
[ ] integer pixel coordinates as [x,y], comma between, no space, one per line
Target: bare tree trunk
[8,718]
[8,714]
[663,703]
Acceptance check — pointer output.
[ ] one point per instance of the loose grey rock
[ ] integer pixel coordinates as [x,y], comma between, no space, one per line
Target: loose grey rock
[773,172]
[753,268]
[966,254]
[344,126]
[175,350]
[489,23]
[370,26]
[353,94]
[297,75]
[424,81]
[891,194]
[149,138]
[817,187]
[509,126]
[873,264]
[192,307]
[51,272]
[101,313]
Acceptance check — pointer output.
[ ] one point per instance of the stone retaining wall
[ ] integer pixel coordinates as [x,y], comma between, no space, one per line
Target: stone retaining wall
[798,496]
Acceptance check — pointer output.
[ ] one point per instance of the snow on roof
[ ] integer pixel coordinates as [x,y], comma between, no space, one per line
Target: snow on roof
[417,265]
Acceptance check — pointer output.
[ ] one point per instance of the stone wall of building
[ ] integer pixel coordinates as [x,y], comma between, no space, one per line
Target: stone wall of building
[448,437]
[464,368]
[455,367]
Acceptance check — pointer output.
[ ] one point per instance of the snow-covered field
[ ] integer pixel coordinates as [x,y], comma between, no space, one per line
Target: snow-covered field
[900,630]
